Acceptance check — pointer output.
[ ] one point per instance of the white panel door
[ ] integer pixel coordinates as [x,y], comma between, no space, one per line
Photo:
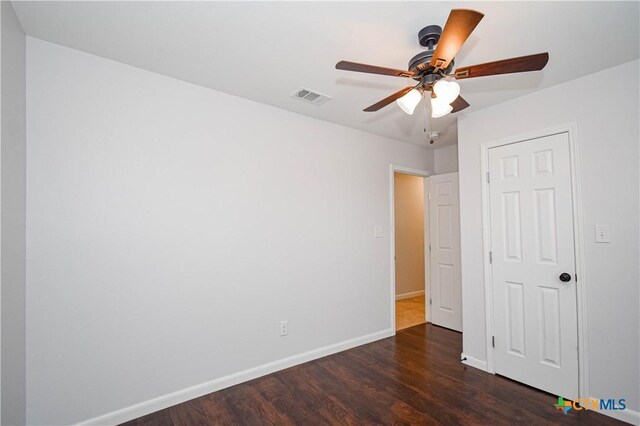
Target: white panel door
[534,310]
[444,234]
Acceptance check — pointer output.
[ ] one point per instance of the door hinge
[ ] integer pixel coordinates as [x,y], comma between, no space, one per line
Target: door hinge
[490,257]
[429,195]
[493,341]
[488,177]
[430,301]
[576,277]
[429,247]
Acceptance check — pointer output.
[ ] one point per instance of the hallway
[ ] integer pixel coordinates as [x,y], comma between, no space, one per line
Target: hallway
[410,312]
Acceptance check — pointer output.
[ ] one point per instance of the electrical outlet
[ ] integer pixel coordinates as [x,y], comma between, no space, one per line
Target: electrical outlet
[602,234]
[284,328]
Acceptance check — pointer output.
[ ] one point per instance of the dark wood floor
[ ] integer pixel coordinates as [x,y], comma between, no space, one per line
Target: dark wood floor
[413,378]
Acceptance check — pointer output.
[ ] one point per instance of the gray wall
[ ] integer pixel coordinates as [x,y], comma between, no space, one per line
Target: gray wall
[12,222]
[172,227]
[445,160]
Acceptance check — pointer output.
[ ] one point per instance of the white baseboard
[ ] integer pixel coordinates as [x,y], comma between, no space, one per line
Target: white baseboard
[474,362]
[627,415]
[409,295]
[152,405]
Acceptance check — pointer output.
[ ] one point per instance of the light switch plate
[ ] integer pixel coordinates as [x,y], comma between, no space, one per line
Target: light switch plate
[377,232]
[602,234]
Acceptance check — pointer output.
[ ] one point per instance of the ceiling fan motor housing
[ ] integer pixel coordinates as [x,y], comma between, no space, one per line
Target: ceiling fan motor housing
[419,64]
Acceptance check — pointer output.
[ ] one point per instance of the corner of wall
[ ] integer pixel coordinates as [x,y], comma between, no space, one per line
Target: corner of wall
[12,217]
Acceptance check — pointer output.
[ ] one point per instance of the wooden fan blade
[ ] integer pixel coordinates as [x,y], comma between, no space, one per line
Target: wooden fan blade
[459,26]
[459,104]
[386,101]
[372,69]
[506,66]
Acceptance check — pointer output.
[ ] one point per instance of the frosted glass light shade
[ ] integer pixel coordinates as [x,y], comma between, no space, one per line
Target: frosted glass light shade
[439,108]
[410,101]
[446,91]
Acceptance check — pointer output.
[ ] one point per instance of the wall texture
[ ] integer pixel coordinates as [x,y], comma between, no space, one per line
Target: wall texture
[608,145]
[409,235]
[13,215]
[170,228]
[445,160]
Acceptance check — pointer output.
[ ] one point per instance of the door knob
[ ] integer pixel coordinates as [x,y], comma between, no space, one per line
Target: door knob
[564,277]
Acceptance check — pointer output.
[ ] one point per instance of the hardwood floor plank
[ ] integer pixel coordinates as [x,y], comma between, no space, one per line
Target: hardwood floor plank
[220,409]
[253,409]
[309,390]
[391,397]
[473,404]
[286,401]
[189,413]
[423,382]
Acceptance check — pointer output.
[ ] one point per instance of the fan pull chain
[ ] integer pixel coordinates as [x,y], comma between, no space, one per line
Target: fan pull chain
[427,120]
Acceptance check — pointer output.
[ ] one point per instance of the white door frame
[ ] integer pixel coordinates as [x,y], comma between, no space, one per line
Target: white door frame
[393,168]
[581,279]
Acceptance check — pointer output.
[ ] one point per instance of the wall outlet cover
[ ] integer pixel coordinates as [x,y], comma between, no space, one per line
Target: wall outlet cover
[377,232]
[602,234]
[284,328]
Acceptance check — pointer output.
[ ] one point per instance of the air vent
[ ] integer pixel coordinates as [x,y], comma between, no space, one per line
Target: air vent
[310,96]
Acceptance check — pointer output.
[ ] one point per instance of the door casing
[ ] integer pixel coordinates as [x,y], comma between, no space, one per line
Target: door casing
[581,278]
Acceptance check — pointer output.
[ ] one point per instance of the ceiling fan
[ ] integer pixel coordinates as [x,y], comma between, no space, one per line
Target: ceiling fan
[431,68]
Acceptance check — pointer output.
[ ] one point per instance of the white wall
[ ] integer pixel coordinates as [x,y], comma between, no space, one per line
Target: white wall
[445,160]
[171,227]
[12,212]
[608,135]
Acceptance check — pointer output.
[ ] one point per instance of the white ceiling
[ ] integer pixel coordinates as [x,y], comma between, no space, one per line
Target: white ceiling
[264,51]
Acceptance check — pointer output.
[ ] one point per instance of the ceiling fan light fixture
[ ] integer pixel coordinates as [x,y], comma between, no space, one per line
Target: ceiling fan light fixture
[432,67]
[446,91]
[410,101]
[439,108]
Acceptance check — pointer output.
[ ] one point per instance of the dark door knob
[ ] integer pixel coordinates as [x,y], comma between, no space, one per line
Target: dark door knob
[564,277]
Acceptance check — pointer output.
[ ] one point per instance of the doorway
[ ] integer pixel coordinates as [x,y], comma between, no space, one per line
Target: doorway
[425,273]
[410,240]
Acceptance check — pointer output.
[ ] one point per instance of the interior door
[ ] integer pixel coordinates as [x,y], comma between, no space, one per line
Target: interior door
[445,304]
[533,264]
